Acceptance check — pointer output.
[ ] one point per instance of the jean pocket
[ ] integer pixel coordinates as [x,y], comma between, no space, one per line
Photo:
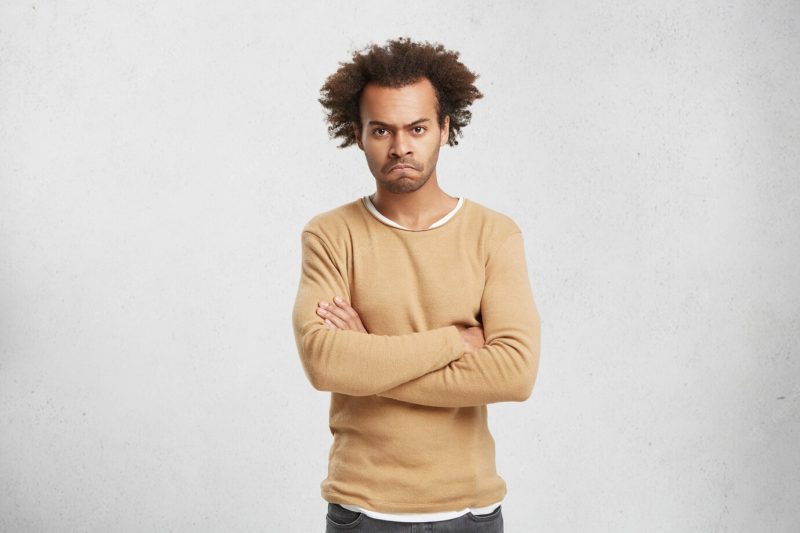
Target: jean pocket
[494,515]
[342,519]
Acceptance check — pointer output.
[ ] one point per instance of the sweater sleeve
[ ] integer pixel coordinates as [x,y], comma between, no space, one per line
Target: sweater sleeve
[505,368]
[354,362]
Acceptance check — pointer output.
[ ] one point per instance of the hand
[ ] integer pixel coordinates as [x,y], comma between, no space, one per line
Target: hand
[339,315]
[473,337]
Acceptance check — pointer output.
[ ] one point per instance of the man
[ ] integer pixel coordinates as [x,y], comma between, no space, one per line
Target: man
[414,307]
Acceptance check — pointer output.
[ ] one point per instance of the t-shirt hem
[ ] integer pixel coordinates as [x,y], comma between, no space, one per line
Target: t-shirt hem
[383,506]
[423,517]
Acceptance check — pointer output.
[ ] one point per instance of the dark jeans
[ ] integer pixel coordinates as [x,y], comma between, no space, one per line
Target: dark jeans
[341,519]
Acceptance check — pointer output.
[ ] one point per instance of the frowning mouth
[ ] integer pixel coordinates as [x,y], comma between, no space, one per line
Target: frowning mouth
[401,167]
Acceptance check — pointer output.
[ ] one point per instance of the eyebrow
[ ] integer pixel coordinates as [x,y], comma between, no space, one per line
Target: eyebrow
[379,123]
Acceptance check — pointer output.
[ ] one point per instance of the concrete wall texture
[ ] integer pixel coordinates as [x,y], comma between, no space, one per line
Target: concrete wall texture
[158,160]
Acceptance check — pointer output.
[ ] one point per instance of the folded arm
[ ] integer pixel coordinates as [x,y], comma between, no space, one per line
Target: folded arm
[353,362]
[505,368]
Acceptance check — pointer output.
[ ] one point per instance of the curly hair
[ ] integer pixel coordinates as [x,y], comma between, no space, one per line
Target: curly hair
[398,63]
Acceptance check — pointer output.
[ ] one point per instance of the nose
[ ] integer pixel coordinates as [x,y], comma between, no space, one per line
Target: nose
[401,145]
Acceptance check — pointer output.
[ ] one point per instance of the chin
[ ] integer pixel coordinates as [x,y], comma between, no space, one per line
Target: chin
[402,184]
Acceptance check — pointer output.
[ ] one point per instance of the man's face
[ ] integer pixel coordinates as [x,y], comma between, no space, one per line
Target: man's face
[400,127]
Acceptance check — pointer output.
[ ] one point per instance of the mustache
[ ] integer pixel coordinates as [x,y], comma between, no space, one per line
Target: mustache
[410,162]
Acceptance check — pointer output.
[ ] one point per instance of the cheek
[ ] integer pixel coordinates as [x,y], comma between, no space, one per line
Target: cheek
[375,157]
[433,150]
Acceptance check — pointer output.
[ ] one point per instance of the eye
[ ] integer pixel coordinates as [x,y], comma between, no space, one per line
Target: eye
[421,128]
[376,130]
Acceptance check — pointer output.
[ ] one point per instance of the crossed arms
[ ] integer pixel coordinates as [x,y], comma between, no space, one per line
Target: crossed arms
[437,367]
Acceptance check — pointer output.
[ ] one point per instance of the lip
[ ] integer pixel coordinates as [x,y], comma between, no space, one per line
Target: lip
[401,167]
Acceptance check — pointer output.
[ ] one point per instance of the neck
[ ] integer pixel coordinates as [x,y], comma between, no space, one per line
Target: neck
[414,210]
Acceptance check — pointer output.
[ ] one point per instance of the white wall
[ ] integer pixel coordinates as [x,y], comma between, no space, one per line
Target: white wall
[158,160]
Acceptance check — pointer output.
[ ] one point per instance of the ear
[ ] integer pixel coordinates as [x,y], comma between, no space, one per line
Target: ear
[357,133]
[445,133]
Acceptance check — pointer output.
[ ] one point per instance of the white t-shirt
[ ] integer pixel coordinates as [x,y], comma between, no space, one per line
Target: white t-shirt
[372,209]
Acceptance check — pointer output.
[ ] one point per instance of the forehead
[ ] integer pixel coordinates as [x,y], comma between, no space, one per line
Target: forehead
[398,105]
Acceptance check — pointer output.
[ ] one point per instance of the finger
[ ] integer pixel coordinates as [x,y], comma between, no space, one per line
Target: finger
[348,309]
[327,315]
[330,307]
[354,320]
[335,311]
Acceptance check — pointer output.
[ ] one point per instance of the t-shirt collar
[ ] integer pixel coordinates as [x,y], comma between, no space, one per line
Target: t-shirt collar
[377,214]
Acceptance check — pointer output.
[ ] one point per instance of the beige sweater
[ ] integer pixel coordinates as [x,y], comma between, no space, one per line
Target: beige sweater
[408,408]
